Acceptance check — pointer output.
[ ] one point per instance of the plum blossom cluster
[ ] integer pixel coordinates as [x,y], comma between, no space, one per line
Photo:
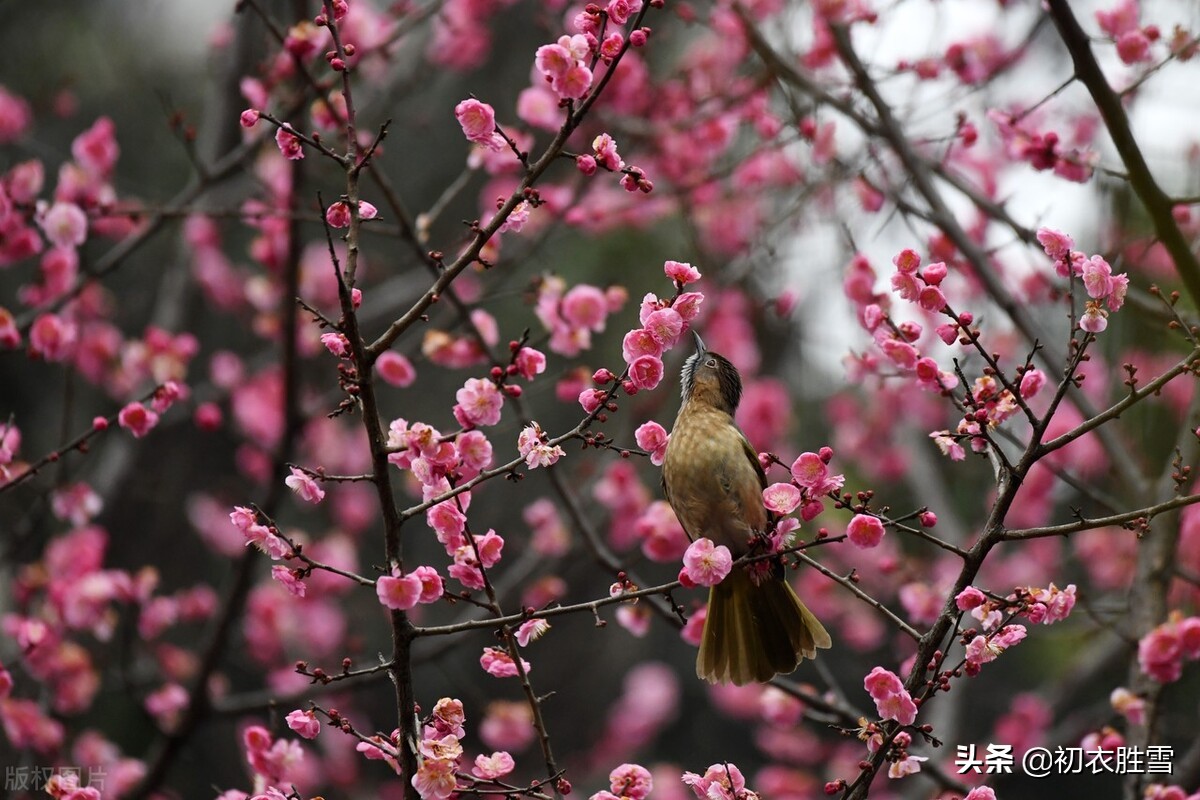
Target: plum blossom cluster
[900,762]
[1044,150]
[472,556]
[663,323]
[85,205]
[1133,41]
[1047,606]
[1106,291]
[84,185]
[434,459]
[1040,606]
[265,538]
[653,438]
[719,782]
[986,647]
[275,761]
[811,482]
[67,595]
[898,341]
[1162,651]
[440,752]
[604,154]
[988,404]
[402,592]
[892,700]
[563,66]
[572,315]
[338,214]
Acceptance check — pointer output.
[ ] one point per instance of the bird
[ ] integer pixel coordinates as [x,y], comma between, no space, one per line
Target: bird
[756,627]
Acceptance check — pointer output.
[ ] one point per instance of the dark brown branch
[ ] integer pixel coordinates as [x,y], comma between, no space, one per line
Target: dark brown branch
[1155,200]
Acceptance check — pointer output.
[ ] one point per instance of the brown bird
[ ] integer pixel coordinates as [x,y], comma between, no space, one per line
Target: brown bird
[756,626]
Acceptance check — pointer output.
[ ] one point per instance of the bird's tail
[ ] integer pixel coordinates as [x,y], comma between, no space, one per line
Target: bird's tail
[754,632]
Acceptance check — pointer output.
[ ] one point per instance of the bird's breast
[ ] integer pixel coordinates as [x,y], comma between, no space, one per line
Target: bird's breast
[710,481]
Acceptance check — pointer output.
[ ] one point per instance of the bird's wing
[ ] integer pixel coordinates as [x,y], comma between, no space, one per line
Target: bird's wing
[752,454]
[667,494]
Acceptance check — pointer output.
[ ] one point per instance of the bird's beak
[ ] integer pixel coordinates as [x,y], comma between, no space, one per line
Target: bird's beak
[700,348]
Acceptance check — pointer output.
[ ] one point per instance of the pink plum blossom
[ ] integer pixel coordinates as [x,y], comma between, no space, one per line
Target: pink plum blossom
[653,438]
[665,326]
[137,419]
[15,116]
[289,144]
[398,593]
[983,649]
[1031,383]
[305,487]
[65,225]
[723,781]
[96,149]
[781,498]
[1094,319]
[529,362]
[631,780]
[479,403]
[305,723]
[681,273]
[585,306]
[605,148]
[289,580]
[1056,243]
[1097,277]
[395,369]
[969,598]
[639,342]
[535,448]
[707,564]
[865,531]
[497,765]
[646,372]
[336,343]
[531,630]
[435,779]
[478,121]
[981,793]
[53,337]
[338,214]
[499,664]
[1128,705]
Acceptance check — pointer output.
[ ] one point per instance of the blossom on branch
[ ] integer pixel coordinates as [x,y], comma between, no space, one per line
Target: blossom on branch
[305,487]
[534,447]
[706,564]
[289,143]
[892,700]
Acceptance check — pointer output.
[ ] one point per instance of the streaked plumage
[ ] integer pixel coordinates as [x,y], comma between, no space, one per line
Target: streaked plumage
[713,480]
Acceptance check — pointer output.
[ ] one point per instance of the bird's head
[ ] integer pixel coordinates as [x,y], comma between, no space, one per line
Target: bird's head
[708,378]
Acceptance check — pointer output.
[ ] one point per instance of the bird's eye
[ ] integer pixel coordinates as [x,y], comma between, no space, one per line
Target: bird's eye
[712,362]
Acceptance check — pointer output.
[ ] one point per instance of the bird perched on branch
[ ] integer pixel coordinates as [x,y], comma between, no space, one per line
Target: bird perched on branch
[756,626]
